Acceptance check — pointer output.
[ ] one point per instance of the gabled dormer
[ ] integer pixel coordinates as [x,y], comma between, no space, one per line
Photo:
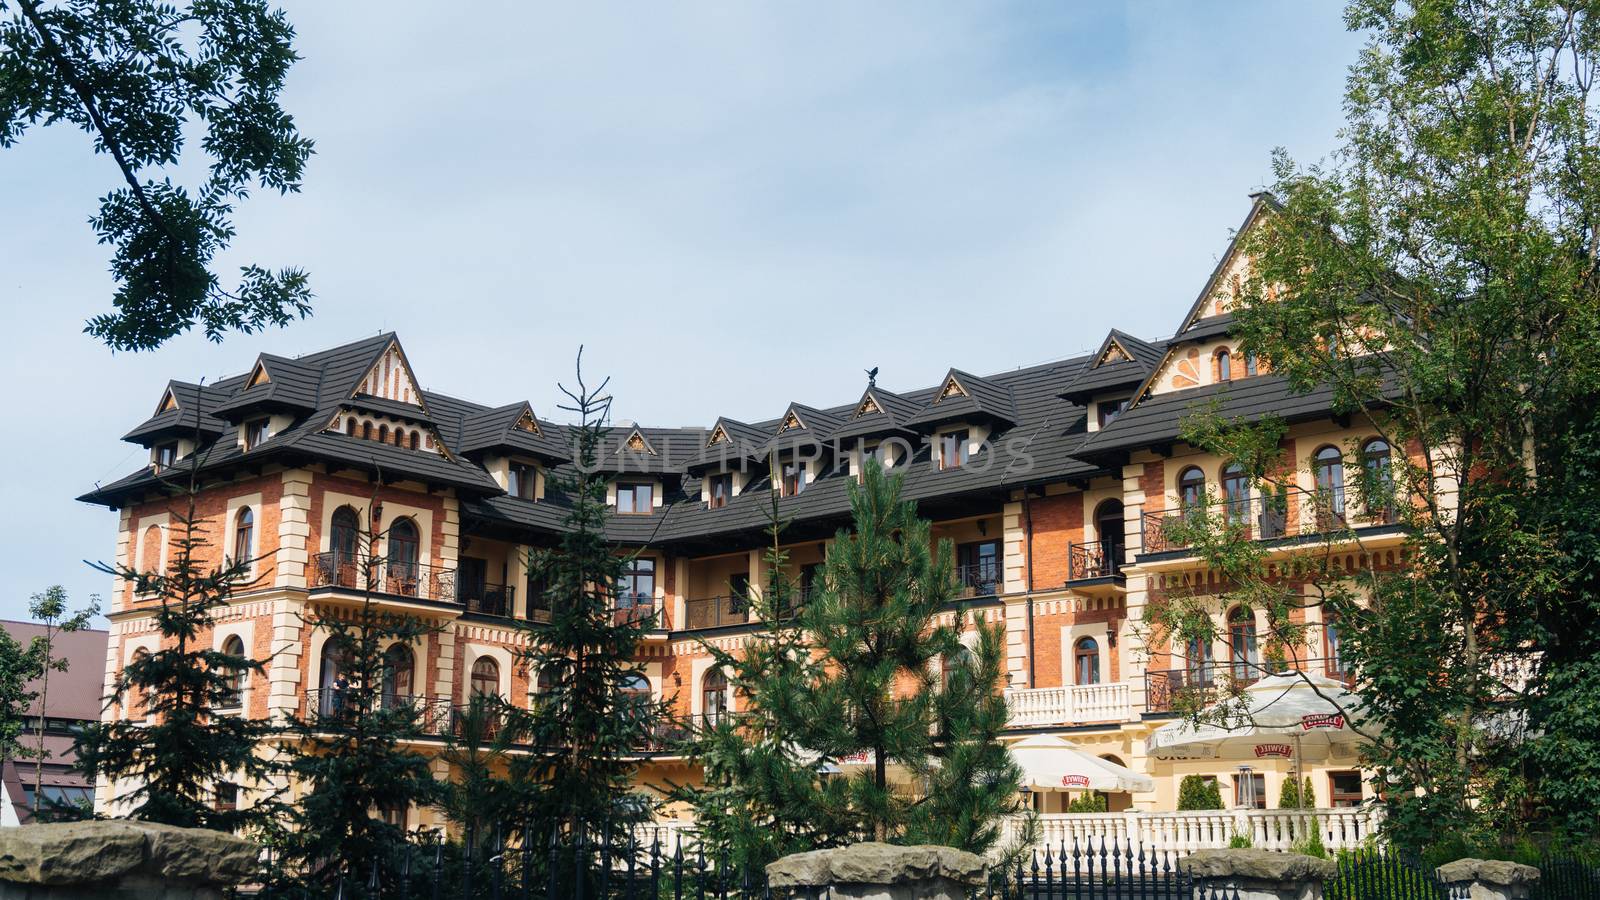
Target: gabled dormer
[964,397]
[390,377]
[729,446]
[1108,378]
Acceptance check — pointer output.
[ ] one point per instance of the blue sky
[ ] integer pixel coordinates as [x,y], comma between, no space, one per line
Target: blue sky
[732,205]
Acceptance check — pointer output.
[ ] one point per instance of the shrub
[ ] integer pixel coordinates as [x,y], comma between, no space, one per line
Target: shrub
[1087,803]
[1311,844]
[1240,842]
[1291,798]
[1199,792]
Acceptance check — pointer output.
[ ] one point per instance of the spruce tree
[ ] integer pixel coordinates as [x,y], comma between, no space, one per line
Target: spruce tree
[351,756]
[853,679]
[585,727]
[168,756]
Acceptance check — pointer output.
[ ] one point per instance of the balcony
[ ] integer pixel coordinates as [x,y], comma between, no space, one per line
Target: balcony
[1096,567]
[633,608]
[1167,690]
[1259,519]
[488,599]
[983,580]
[432,716]
[714,612]
[1075,704]
[358,572]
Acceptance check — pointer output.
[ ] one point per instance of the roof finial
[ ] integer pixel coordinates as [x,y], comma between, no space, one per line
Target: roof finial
[872,377]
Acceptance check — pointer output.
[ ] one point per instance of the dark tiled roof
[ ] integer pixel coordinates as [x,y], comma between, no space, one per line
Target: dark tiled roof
[983,399]
[289,384]
[179,422]
[394,409]
[1205,329]
[745,442]
[893,412]
[815,425]
[496,428]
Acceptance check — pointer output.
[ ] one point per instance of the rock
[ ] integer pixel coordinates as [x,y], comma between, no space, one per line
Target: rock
[1489,871]
[873,863]
[1261,865]
[103,852]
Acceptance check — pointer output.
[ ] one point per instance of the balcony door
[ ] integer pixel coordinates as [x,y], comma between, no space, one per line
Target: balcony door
[1108,525]
[979,567]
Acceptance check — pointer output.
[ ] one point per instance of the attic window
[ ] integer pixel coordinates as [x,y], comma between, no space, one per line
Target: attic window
[166,455]
[1115,353]
[256,433]
[638,444]
[718,436]
[168,402]
[259,376]
[952,388]
[526,423]
[790,421]
[868,407]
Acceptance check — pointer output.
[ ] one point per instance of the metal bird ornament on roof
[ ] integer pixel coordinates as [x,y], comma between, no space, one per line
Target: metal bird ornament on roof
[872,377]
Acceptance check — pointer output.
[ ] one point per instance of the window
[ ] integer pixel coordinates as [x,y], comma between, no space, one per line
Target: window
[255,433]
[350,426]
[1250,790]
[234,696]
[635,691]
[720,490]
[961,660]
[404,551]
[346,527]
[637,586]
[485,677]
[1197,662]
[953,449]
[1331,640]
[1224,365]
[383,434]
[414,440]
[1191,488]
[138,705]
[1109,527]
[1236,493]
[1377,467]
[635,499]
[1344,789]
[794,479]
[1243,652]
[978,568]
[399,667]
[227,796]
[333,686]
[1249,364]
[244,527]
[1108,410]
[1086,661]
[714,696]
[522,481]
[810,581]
[166,455]
[366,431]
[1328,464]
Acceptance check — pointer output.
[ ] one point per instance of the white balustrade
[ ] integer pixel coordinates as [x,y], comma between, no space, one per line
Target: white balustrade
[1176,834]
[1071,704]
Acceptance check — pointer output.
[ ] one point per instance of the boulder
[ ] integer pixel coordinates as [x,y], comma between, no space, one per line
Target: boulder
[876,864]
[108,851]
[1487,871]
[1257,865]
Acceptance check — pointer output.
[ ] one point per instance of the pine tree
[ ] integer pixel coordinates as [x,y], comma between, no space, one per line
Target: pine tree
[849,680]
[586,726]
[352,758]
[168,753]
[49,609]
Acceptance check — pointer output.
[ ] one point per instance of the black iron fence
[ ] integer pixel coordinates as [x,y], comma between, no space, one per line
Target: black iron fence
[1167,689]
[397,577]
[1095,559]
[980,580]
[1261,518]
[711,612]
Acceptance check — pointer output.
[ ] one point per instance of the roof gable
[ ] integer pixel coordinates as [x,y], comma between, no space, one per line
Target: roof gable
[636,442]
[1208,303]
[391,378]
[963,395]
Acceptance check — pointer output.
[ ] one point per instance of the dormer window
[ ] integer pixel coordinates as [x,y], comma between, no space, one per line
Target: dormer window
[522,481]
[1108,410]
[636,499]
[719,490]
[1224,365]
[256,433]
[953,449]
[166,455]
[794,479]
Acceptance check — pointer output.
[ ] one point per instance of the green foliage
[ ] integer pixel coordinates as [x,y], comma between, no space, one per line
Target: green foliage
[353,755]
[1237,841]
[588,726]
[1302,797]
[18,667]
[1087,803]
[1198,792]
[167,749]
[477,796]
[49,609]
[853,680]
[1311,844]
[142,78]
[1436,276]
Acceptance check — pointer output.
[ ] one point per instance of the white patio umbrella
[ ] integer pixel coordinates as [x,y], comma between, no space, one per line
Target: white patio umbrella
[1287,716]
[1049,763]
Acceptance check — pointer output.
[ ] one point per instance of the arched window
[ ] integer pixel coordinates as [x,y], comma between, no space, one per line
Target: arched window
[485,677]
[635,691]
[1224,365]
[1197,662]
[350,426]
[713,696]
[150,553]
[333,687]
[404,546]
[366,430]
[1086,661]
[1328,466]
[549,677]
[345,532]
[1191,488]
[383,434]
[138,705]
[244,528]
[1242,649]
[234,697]
[1377,467]
[1333,663]
[1110,528]
[399,667]
[1250,364]
[415,440]
[1236,493]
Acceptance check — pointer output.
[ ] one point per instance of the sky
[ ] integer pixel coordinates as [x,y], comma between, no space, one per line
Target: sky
[729,205]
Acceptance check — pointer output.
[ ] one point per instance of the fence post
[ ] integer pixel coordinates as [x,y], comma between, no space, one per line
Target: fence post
[1488,879]
[1257,874]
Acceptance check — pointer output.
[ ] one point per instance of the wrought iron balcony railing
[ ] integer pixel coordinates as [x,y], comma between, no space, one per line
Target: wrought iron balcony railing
[981,580]
[1095,559]
[1260,518]
[711,612]
[1165,689]
[330,706]
[399,578]
[488,599]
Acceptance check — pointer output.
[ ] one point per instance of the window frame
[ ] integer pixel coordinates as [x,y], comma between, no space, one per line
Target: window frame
[256,432]
[1198,485]
[1086,652]
[1259,782]
[955,448]
[637,570]
[166,455]
[792,480]
[1338,799]
[244,529]
[633,489]
[719,490]
[1224,358]
[1334,467]
[479,675]
[238,681]
[522,479]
